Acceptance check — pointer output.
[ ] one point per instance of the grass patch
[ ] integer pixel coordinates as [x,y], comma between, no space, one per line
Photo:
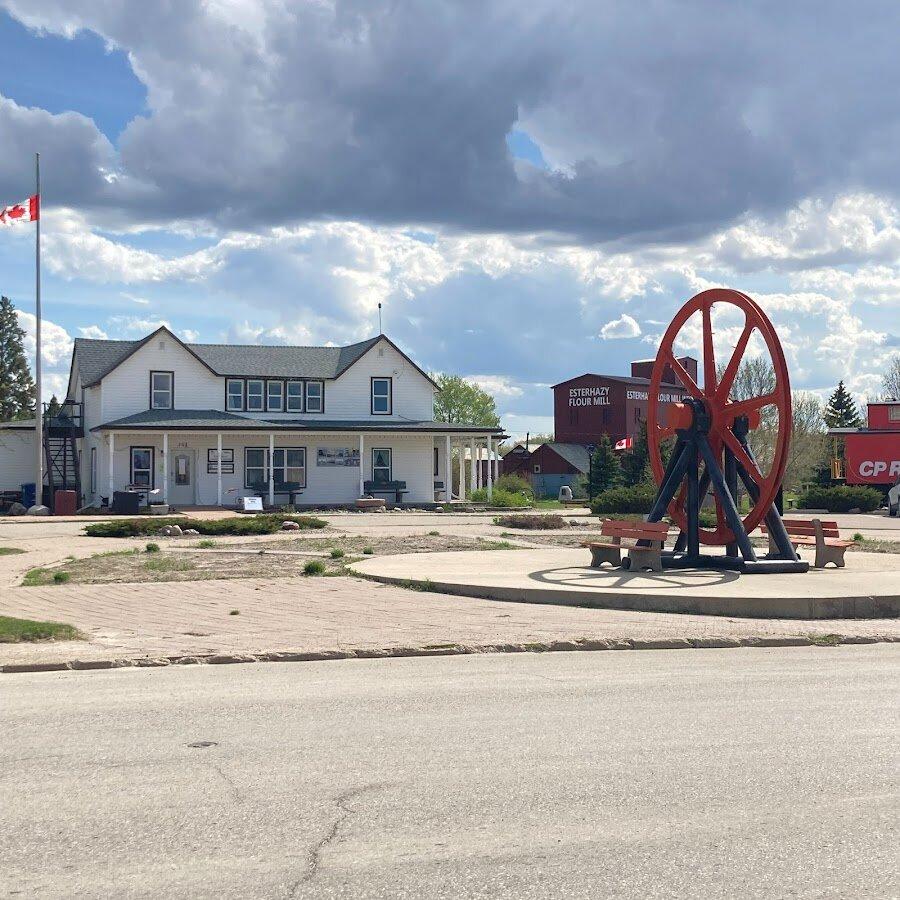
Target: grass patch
[168,564]
[433,534]
[336,553]
[34,577]
[267,523]
[314,567]
[825,640]
[17,631]
[61,577]
[10,551]
[426,586]
[152,548]
[531,522]
[205,544]
[368,551]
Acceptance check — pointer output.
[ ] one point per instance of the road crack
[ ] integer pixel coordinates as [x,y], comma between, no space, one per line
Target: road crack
[314,856]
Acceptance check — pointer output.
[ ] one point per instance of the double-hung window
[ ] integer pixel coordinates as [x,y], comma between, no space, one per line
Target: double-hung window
[295,396]
[162,390]
[289,467]
[315,400]
[234,394]
[381,465]
[256,472]
[142,466]
[275,396]
[381,396]
[255,395]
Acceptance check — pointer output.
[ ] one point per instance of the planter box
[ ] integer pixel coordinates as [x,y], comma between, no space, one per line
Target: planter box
[159,509]
[370,503]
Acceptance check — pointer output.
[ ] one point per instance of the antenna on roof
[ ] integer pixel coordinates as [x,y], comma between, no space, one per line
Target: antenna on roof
[380,331]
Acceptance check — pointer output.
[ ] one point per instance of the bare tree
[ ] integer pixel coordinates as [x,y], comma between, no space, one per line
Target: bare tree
[890,381]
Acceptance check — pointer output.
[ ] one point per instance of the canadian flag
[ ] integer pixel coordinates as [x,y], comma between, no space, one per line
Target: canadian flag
[27,211]
[624,444]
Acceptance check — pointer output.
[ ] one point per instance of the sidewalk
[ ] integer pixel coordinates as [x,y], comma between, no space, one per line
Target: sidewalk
[192,619]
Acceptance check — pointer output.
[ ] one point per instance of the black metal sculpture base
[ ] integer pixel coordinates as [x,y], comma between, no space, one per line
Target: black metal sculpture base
[692,445]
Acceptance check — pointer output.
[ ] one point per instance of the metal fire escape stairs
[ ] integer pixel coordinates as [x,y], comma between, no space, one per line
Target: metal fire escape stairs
[63,426]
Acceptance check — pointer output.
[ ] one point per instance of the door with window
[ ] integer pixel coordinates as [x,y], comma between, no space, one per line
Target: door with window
[381,465]
[182,478]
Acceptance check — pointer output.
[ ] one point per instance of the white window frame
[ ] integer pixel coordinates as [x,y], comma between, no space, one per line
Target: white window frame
[390,466]
[228,395]
[319,401]
[263,469]
[894,413]
[262,395]
[93,470]
[269,406]
[388,396]
[280,466]
[289,407]
[168,391]
[148,469]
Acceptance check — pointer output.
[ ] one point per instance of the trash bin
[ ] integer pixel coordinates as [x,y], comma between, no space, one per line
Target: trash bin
[28,494]
[565,493]
[126,503]
[64,503]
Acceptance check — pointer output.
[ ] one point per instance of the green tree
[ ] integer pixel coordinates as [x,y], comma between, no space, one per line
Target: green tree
[462,403]
[16,383]
[842,411]
[605,471]
[636,462]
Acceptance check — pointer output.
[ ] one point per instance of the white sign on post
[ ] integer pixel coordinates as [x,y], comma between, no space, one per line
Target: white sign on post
[251,504]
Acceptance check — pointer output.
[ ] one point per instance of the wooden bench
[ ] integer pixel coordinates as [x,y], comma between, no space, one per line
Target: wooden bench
[397,488]
[639,557]
[292,489]
[824,536]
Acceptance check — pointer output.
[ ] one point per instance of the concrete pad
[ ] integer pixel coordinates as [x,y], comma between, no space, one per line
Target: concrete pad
[868,588]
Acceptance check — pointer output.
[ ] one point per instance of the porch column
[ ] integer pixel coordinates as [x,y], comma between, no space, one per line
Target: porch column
[462,471]
[472,463]
[112,456]
[448,468]
[362,474]
[490,467]
[271,469]
[478,483]
[219,470]
[165,456]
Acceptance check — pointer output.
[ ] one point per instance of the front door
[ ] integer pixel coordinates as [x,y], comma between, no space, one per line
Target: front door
[182,478]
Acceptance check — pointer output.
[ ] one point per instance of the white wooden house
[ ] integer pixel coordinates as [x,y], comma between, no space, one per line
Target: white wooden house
[204,424]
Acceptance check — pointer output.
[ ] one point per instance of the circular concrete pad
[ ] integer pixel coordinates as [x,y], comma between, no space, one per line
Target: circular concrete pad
[869,587]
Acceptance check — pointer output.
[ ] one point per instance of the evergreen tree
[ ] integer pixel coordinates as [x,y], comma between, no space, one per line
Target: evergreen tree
[842,411]
[636,463]
[605,471]
[16,383]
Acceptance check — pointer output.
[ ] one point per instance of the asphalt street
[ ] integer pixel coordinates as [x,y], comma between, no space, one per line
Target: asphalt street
[695,773]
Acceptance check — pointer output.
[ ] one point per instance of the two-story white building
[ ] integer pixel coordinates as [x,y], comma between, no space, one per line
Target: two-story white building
[204,424]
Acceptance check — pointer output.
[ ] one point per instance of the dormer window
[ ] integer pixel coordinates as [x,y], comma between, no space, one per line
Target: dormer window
[234,394]
[381,396]
[256,401]
[162,390]
[275,396]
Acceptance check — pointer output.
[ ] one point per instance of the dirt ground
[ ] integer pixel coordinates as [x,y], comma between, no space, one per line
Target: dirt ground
[181,561]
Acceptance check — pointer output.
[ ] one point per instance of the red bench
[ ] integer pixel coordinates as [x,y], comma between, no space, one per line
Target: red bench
[824,536]
[639,557]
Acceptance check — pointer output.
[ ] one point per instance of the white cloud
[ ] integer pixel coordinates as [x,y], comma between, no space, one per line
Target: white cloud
[93,331]
[496,385]
[623,327]
[56,343]
[190,335]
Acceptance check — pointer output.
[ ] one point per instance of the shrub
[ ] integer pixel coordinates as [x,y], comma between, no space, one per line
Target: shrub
[637,499]
[60,577]
[206,544]
[152,548]
[513,484]
[501,499]
[234,612]
[840,498]
[533,522]
[336,553]
[314,567]
[268,523]
[368,550]
[433,533]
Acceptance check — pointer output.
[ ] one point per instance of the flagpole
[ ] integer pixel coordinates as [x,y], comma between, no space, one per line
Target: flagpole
[38,411]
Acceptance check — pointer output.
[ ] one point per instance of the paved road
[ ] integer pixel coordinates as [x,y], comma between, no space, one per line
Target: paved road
[720,773]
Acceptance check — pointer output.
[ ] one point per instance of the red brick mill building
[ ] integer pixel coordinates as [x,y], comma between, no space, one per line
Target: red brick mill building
[584,408]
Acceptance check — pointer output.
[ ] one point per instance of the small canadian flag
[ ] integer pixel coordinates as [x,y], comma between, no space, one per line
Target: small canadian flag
[624,444]
[27,211]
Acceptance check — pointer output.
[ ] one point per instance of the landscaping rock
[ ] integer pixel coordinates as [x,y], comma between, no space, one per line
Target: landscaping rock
[190,531]
[288,525]
[175,531]
[38,511]
[17,510]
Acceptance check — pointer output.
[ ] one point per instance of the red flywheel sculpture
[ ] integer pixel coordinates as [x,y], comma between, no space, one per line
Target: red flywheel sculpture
[711,419]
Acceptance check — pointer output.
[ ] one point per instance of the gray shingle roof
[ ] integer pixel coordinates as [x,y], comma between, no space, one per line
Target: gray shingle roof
[217,420]
[575,455]
[97,358]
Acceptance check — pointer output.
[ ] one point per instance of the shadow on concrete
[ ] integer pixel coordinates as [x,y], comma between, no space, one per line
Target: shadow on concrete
[611,579]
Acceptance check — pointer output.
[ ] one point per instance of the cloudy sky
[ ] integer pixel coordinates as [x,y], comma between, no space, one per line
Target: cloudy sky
[530,189]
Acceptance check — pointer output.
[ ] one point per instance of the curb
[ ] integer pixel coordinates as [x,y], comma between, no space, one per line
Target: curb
[584,644]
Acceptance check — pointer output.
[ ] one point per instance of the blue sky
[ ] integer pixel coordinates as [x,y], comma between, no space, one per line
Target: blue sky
[529,194]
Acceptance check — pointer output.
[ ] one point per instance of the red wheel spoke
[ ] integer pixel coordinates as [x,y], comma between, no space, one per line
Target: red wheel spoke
[690,385]
[709,356]
[741,455]
[742,407]
[734,363]
[665,431]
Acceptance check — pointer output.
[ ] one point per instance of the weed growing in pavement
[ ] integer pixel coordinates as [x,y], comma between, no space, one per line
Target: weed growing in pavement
[433,533]
[15,631]
[9,551]
[825,640]
[168,564]
[234,612]
[60,577]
